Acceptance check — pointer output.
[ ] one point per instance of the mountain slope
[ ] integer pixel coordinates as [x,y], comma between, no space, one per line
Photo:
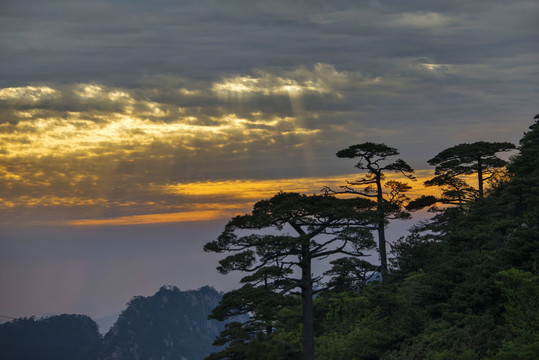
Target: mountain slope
[171,324]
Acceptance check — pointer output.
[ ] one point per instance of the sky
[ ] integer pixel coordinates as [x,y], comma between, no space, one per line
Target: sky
[131,131]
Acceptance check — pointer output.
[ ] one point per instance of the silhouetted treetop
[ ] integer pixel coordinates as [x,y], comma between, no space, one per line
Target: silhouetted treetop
[390,196]
[526,163]
[372,155]
[465,159]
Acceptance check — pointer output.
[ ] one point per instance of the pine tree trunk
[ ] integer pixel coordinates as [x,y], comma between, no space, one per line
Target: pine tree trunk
[381,227]
[307,306]
[382,249]
[480,177]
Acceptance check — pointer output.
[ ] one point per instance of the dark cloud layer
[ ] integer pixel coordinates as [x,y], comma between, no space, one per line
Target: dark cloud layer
[114,93]
[122,40]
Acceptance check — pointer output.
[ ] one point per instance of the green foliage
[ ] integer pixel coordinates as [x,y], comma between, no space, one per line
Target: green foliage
[350,328]
[521,347]
[349,273]
[521,290]
[261,308]
[261,347]
[364,341]
[422,202]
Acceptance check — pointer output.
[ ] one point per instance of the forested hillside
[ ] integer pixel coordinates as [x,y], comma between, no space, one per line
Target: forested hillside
[462,285]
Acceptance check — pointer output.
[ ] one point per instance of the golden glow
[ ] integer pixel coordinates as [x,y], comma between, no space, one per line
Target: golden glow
[209,200]
[51,201]
[76,153]
[322,79]
[32,93]
[187,92]
[123,121]
[142,122]
[237,84]
[107,142]
[267,86]
[260,189]
[151,218]
[89,91]
[57,136]
[236,197]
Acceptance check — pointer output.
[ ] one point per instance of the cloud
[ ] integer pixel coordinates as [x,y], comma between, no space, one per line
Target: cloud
[103,103]
[107,149]
[121,41]
[92,146]
[422,20]
[212,200]
[94,120]
[189,216]
[322,79]
[27,94]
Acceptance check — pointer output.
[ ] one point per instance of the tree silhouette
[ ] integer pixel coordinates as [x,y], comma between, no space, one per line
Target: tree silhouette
[459,160]
[526,163]
[390,197]
[465,159]
[323,226]
[455,191]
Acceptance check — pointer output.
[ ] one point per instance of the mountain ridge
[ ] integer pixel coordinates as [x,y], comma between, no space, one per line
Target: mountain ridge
[171,324]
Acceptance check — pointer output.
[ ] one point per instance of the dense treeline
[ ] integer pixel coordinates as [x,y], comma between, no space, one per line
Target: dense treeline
[462,285]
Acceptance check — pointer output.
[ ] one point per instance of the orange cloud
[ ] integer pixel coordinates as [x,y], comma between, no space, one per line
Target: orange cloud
[152,218]
[259,189]
[225,199]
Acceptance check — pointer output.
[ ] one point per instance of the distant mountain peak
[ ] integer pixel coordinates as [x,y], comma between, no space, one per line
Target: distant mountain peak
[171,324]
